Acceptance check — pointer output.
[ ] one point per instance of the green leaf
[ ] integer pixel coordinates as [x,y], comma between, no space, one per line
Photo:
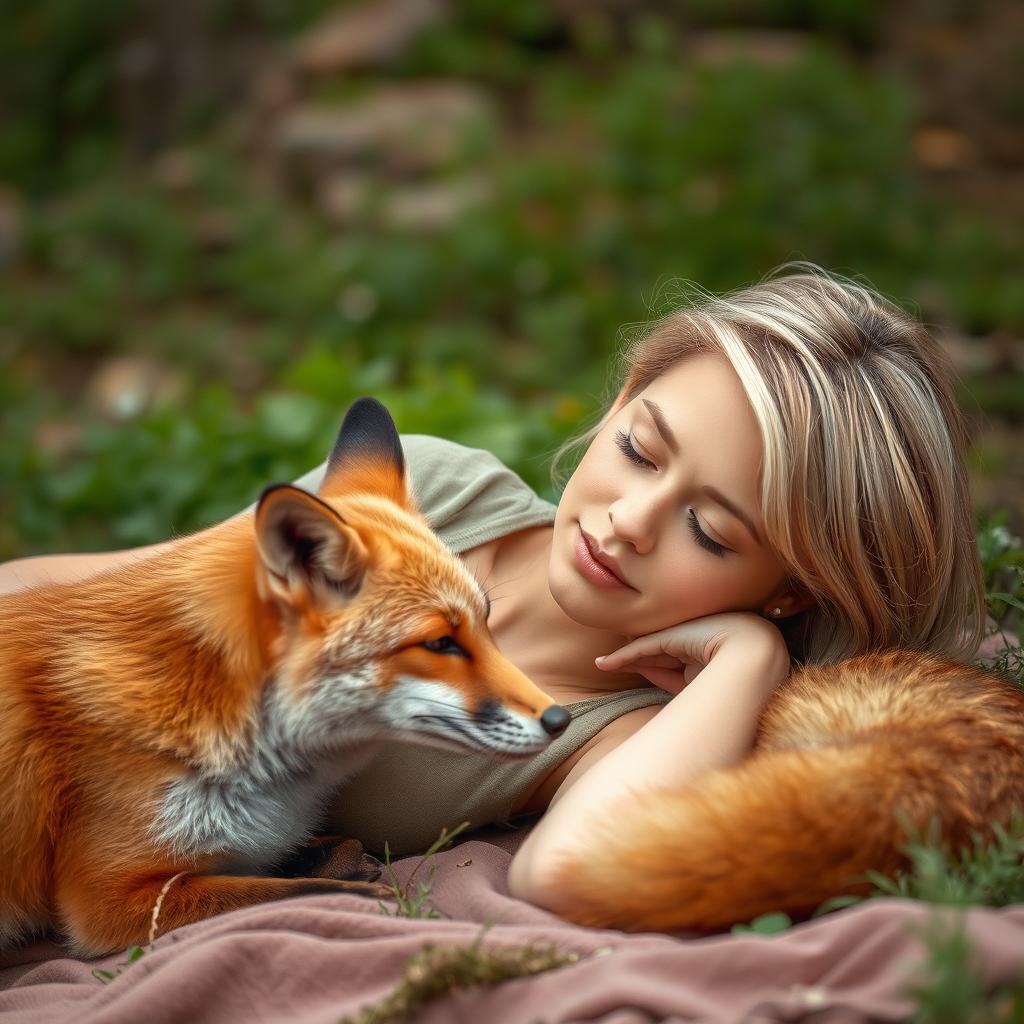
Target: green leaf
[766,924]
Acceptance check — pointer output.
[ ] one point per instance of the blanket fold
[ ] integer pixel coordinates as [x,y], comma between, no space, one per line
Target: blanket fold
[318,959]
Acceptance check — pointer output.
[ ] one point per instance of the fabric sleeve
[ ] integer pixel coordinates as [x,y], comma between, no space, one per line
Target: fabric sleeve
[467,495]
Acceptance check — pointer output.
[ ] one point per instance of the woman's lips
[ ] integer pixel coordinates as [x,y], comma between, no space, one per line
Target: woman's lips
[593,570]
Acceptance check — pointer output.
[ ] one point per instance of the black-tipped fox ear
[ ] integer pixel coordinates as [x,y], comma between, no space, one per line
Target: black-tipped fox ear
[367,456]
[305,546]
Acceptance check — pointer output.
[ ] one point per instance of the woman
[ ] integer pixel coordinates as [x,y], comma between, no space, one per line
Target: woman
[780,478]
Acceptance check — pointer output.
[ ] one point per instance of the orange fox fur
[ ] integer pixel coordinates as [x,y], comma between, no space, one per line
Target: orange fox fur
[192,711]
[841,753]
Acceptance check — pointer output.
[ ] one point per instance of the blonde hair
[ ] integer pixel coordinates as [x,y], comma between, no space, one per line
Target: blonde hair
[864,490]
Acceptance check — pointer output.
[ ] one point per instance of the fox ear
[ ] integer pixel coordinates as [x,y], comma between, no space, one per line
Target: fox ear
[367,456]
[304,544]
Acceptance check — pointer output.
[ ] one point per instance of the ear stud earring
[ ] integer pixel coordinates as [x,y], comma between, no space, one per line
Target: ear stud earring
[776,612]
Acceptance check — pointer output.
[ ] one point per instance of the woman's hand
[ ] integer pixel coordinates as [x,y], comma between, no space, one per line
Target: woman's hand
[672,658]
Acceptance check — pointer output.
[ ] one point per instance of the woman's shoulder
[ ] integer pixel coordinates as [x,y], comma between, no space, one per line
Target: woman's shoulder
[426,453]
[467,495]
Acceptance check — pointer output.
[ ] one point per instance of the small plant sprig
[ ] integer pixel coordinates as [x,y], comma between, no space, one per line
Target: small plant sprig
[951,987]
[412,905]
[988,872]
[133,953]
[1008,662]
[436,970]
[1002,563]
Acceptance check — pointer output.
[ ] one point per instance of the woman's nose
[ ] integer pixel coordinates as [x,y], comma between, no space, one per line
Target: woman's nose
[633,523]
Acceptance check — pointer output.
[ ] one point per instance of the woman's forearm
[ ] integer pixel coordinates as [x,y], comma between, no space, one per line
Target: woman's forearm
[22,573]
[710,724]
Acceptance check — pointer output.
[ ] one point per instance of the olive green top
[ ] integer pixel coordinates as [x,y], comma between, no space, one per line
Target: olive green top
[407,793]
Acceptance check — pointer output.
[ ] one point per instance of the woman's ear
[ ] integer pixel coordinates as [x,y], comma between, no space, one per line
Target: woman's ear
[790,599]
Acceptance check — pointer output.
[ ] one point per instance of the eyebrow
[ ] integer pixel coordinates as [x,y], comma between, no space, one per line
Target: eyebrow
[662,424]
[669,438]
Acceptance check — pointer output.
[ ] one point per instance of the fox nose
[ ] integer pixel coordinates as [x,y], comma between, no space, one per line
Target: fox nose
[555,720]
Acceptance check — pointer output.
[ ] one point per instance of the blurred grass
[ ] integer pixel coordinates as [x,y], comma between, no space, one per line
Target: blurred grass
[616,168]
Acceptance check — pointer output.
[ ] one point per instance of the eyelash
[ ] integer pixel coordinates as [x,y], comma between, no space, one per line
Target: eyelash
[627,449]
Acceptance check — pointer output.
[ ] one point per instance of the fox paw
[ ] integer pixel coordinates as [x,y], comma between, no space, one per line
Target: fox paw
[336,857]
[347,860]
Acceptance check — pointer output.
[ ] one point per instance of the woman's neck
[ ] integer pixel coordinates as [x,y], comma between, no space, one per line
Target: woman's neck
[532,630]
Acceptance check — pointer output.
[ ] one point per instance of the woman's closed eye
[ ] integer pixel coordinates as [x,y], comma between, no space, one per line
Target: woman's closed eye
[701,537]
[624,444]
[627,449]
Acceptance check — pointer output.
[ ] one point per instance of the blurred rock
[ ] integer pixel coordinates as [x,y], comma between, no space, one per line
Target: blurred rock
[12,226]
[405,129]
[970,354]
[435,206]
[942,149]
[1009,350]
[364,35]
[126,386]
[767,47]
[274,91]
[342,197]
[346,199]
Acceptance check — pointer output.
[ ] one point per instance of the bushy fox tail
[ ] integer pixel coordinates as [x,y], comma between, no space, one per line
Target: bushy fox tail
[788,828]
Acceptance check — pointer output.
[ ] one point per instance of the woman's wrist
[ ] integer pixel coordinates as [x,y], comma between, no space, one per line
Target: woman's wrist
[761,652]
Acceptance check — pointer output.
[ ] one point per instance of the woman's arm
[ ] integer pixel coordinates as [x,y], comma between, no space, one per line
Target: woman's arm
[22,573]
[709,724]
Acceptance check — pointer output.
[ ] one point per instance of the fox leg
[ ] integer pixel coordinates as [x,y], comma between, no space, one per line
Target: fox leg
[332,857]
[347,859]
[108,913]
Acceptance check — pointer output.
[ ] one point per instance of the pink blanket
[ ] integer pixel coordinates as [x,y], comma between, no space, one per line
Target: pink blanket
[317,959]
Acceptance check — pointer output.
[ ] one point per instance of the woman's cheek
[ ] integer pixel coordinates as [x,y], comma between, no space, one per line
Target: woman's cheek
[697,592]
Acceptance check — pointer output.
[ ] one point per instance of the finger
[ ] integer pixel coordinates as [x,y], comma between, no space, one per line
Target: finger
[643,645]
[655,646]
[652,661]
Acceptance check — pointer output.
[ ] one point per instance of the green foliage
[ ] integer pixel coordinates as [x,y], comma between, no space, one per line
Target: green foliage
[133,954]
[1009,662]
[1002,561]
[714,173]
[767,924]
[987,872]
[413,905]
[950,987]
[498,331]
[63,76]
[56,90]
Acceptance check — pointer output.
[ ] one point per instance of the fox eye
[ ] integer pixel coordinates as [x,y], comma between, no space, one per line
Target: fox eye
[446,645]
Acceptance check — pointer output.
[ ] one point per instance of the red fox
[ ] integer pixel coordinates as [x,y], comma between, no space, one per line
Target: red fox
[842,754]
[191,712]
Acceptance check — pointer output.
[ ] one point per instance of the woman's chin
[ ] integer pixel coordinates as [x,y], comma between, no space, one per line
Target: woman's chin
[584,604]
